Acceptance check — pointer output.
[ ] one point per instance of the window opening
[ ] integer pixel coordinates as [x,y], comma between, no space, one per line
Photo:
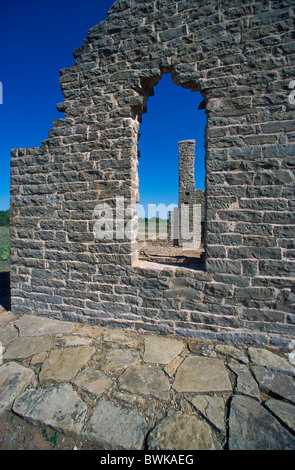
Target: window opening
[171,208]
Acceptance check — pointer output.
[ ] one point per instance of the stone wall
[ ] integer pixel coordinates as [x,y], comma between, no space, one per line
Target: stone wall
[240,56]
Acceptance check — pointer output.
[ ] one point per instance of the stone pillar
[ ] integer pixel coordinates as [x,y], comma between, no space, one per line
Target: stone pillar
[189,207]
[174,226]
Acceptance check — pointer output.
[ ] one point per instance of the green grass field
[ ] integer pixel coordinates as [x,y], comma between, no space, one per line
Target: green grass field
[4,249]
[154,228]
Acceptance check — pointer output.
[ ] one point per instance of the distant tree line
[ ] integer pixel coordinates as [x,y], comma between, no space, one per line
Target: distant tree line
[4,218]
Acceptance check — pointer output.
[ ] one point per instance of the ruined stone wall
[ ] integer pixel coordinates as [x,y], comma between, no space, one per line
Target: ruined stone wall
[240,55]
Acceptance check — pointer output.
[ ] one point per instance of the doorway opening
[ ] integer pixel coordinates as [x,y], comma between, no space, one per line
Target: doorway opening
[171,170]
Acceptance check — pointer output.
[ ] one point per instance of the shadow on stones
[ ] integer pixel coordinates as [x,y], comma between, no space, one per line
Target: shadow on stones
[5,300]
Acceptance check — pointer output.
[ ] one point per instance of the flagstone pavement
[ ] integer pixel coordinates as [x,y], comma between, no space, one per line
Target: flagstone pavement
[78,386]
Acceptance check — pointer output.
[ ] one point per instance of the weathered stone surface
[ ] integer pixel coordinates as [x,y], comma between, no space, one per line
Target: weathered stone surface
[115,427]
[246,385]
[161,350]
[123,338]
[213,408]
[30,325]
[117,359]
[291,358]
[7,334]
[266,358]
[93,381]
[249,179]
[145,380]
[14,378]
[59,407]
[284,411]
[63,364]
[6,317]
[232,351]
[251,427]
[202,374]
[26,347]
[74,340]
[90,331]
[201,347]
[38,358]
[280,384]
[180,431]
[172,367]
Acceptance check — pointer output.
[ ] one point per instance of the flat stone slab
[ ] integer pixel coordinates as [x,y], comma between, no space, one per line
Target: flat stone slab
[251,427]
[14,378]
[29,325]
[172,367]
[161,350]
[117,359]
[93,381]
[284,411]
[212,408]
[6,317]
[121,337]
[115,427]
[232,351]
[74,340]
[8,334]
[280,384]
[145,380]
[59,407]
[266,358]
[246,385]
[180,431]
[202,374]
[62,365]
[24,347]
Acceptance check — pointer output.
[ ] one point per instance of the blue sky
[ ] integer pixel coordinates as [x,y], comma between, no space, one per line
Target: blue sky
[172,115]
[37,39]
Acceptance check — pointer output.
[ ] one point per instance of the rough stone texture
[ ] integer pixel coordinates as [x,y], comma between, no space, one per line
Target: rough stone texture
[172,367]
[14,378]
[275,383]
[284,411]
[246,384]
[63,364]
[179,431]
[253,428]
[240,56]
[162,350]
[93,381]
[122,338]
[6,317]
[141,399]
[8,334]
[26,347]
[202,374]
[116,427]
[212,408]
[59,407]
[233,352]
[29,325]
[146,380]
[263,357]
[118,359]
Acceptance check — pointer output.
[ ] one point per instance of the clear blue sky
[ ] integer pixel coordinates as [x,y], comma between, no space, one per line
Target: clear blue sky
[172,115]
[37,39]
